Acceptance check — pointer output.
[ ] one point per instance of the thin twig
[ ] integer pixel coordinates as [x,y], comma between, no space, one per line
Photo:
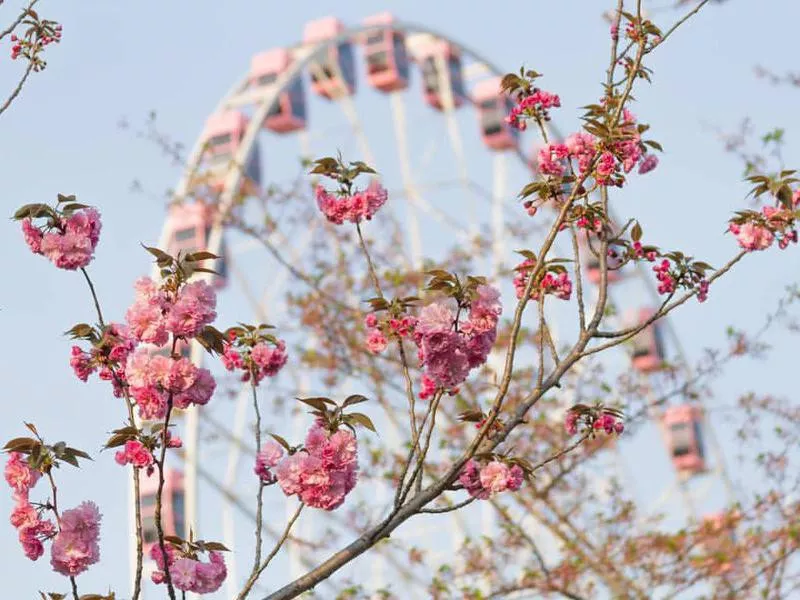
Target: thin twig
[160,493]
[446,509]
[17,89]
[94,297]
[248,586]
[677,24]
[18,20]
[260,494]
[373,275]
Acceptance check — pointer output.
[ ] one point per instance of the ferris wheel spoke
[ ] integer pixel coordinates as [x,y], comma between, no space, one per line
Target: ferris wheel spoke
[454,134]
[399,120]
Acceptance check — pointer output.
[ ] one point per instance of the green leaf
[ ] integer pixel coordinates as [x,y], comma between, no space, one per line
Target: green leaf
[80,331]
[33,211]
[318,402]
[200,256]
[281,441]
[636,232]
[354,399]
[21,444]
[162,258]
[362,420]
[217,546]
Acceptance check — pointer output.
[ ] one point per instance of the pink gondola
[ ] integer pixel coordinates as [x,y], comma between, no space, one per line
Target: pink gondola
[385,53]
[683,426]
[493,108]
[648,346]
[334,74]
[431,56]
[172,507]
[190,229]
[222,136]
[289,111]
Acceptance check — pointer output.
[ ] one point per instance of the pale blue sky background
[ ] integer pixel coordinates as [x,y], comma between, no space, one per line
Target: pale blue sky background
[123,59]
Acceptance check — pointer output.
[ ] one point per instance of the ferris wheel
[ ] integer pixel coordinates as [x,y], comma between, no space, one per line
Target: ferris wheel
[429,116]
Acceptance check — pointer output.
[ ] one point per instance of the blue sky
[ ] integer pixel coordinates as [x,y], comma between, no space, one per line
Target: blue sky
[179,58]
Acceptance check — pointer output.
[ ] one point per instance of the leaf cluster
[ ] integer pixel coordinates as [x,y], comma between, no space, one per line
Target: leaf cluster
[43,457]
[333,415]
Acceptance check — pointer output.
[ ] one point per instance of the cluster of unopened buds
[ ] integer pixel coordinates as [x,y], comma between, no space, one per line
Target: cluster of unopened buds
[533,105]
[257,359]
[584,222]
[670,277]
[558,284]
[483,482]
[639,252]
[607,420]
[108,354]
[39,36]
[378,332]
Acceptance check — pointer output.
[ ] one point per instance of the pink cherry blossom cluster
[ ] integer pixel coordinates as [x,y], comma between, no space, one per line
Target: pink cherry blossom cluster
[269,456]
[136,454]
[261,360]
[378,332]
[483,482]
[76,547]
[758,231]
[32,529]
[108,355]
[355,207]
[75,541]
[557,284]
[449,349]
[155,379]
[324,471]
[530,106]
[140,456]
[427,387]
[554,158]
[156,312]
[66,241]
[189,574]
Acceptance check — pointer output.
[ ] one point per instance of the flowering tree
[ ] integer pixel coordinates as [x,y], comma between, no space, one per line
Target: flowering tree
[475,432]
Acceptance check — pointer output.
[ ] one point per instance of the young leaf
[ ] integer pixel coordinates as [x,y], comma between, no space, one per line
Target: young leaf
[281,441]
[354,399]
[362,420]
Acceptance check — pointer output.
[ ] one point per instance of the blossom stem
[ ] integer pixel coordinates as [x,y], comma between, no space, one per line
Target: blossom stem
[159,495]
[373,275]
[260,494]
[137,503]
[400,494]
[94,297]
